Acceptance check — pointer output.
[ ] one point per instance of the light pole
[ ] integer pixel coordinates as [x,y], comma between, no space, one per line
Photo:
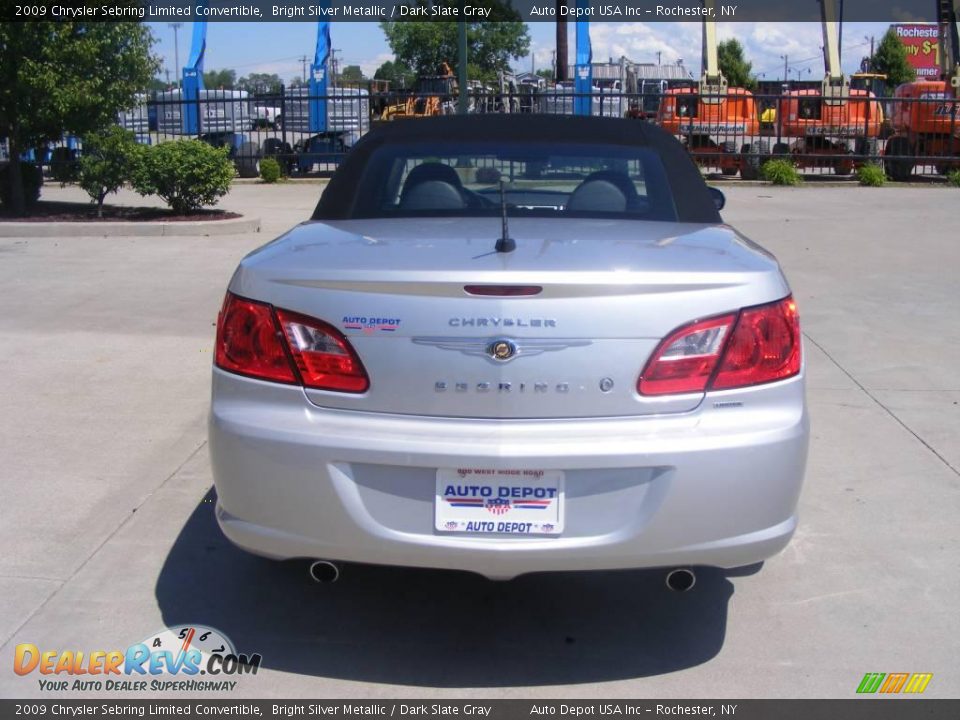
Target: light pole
[786,63]
[176,51]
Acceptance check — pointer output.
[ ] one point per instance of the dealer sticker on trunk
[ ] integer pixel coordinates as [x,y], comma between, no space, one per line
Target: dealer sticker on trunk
[488,501]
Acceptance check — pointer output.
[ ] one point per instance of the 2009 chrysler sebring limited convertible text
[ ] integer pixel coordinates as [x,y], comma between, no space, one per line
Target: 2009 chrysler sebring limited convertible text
[511,344]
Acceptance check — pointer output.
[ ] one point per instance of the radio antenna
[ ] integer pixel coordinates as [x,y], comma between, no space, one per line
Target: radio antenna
[505,244]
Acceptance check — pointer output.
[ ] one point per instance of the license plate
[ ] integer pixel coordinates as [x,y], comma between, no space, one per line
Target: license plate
[486,501]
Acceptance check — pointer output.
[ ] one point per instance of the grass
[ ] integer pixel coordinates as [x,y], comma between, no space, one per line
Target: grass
[780,172]
[871,175]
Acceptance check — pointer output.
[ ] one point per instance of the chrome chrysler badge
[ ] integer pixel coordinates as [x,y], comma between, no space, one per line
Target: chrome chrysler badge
[502,349]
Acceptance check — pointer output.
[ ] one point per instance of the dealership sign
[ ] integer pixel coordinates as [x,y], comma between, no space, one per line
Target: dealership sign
[923,49]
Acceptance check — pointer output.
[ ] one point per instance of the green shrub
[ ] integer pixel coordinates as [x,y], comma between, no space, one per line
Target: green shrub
[871,175]
[108,159]
[187,174]
[31,179]
[270,170]
[780,172]
[953,178]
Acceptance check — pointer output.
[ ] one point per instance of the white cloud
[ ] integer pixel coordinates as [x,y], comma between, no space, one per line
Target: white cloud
[370,66]
[641,42]
[764,44]
[284,68]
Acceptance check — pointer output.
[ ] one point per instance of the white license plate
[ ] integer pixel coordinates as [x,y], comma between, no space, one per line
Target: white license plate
[486,501]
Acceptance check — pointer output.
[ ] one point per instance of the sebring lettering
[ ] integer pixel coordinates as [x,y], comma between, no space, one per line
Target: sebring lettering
[502,387]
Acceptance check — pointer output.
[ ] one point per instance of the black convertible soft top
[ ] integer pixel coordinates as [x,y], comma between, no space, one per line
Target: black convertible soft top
[691,197]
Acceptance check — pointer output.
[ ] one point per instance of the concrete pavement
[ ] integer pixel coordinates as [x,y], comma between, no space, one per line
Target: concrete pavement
[106,519]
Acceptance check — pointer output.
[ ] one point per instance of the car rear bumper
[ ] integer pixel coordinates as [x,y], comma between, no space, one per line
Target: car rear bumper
[718,486]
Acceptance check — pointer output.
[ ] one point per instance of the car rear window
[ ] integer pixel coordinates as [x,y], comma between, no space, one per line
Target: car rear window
[537,180]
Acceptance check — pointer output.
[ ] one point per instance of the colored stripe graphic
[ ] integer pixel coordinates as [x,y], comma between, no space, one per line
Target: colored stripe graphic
[871,682]
[918,682]
[894,682]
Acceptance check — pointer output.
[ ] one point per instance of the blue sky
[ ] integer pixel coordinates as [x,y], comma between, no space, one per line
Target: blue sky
[277,47]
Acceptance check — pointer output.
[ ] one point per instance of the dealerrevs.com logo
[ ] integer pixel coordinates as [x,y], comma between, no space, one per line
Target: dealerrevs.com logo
[181,658]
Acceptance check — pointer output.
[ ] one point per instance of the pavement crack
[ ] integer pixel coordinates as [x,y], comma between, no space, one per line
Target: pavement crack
[887,410]
[15,576]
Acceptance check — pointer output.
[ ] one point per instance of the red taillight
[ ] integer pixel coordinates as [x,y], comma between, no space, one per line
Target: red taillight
[324,357]
[249,341]
[256,340]
[759,345]
[684,362]
[765,347]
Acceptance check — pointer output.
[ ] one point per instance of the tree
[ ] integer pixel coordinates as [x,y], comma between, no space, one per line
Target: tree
[219,79]
[106,162]
[546,74]
[890,59]
[157,85]
[396,73]
[734,65]
[66,77]
[260,83]
[425,46]
[351,73]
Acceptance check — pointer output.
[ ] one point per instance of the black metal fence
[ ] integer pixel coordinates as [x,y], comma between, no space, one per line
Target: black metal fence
[733,134]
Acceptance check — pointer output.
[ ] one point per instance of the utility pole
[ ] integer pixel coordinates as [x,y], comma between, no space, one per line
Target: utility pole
[562,50]
[659,53]
[303,63]
[463,100]
[786,64]
[178,71]
[333,65]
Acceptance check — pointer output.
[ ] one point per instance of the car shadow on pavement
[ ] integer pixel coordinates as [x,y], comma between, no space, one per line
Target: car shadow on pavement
[439,628]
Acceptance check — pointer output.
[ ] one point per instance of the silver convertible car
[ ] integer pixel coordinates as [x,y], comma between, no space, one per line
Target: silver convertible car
[507,345]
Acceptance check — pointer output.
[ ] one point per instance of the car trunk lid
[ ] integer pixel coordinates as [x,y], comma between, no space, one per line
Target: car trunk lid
[600,297]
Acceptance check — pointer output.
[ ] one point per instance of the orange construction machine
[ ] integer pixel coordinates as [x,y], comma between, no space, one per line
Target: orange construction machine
[434,95]
[926,113]
[833,126]
[718,124]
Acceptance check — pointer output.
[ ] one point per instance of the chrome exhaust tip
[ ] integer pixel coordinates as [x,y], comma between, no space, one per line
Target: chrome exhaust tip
[324,571]
[681,580]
